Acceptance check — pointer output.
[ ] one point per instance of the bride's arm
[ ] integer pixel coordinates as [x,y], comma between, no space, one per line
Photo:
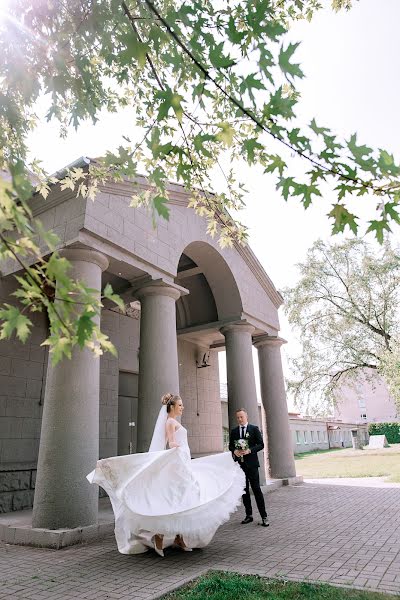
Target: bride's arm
[171,434]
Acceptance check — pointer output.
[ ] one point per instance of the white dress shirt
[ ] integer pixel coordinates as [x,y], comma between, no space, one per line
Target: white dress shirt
[244,431]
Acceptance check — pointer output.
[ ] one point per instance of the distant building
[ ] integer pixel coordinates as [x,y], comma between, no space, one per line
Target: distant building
[324,433]
[365,401]
[307,433]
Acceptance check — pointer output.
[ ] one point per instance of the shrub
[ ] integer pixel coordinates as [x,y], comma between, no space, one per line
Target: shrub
[391,430]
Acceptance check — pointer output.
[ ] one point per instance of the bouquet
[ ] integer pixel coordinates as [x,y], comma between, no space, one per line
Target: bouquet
[242,444]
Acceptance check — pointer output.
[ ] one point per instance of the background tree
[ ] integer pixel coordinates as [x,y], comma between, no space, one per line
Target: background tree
[389,368]
[346,311]
[204,80]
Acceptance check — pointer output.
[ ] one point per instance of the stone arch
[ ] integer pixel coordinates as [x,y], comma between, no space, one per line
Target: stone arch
[213,292]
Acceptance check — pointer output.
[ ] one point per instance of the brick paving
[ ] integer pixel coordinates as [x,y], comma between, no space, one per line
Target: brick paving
[346,535]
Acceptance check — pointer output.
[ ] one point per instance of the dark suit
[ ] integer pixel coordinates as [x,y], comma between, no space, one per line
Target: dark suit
[250,466]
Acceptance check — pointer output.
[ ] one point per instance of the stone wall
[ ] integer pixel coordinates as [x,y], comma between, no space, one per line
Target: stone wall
[17,484]
[124,333]
[199,389]
[132,230]
[22,386]
[22,383]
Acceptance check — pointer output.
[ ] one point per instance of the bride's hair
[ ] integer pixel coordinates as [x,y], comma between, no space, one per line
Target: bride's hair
[170,400]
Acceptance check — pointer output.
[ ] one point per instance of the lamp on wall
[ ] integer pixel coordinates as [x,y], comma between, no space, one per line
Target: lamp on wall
[202,361]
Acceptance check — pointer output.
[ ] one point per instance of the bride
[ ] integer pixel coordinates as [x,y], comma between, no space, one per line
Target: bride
[162,498]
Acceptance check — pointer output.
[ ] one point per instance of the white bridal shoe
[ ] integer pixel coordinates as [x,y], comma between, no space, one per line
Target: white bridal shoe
[182,545]
[159,551]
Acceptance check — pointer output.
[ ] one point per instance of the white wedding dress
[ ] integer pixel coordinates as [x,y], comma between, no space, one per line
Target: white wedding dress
[166,492]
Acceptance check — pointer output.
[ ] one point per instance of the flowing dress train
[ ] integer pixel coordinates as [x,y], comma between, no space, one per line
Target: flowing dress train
[166,492]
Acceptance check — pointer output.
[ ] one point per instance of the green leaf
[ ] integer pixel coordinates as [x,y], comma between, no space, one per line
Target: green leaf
[250,146]
[109,294]
[85,327]
[318,130]
[13,320]
[235,36]
[59,347]
[360,153]
[251,82]
[273,29]
[306,191]
[160,204]
[218,59]
[285,184]
[133,50]
[226,134]
[290,70]
[379,227]
[170,99]
[342,218]
[20,179]
[57,269]
[280,105]
[300,141]
[276,164]
[200,139]
[387,165]
[392,209]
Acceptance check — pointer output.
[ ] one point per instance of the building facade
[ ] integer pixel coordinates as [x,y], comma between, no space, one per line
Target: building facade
[186,299]
[365,400]
[310,434]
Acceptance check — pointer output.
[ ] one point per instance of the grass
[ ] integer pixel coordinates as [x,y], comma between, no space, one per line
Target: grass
[346,462]
[232,586]
[301,455]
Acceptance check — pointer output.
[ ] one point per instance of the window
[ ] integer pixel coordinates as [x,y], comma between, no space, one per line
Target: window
[298,437]
[305,437]
[363,415]
[325,436]
[318,435]
[361,403]
[225,438]
[312,437]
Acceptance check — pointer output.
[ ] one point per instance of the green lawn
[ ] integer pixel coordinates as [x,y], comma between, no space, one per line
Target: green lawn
[231,586]
[351,463]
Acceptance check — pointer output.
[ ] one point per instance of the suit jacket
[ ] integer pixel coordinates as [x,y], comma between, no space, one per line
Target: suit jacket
[255,444]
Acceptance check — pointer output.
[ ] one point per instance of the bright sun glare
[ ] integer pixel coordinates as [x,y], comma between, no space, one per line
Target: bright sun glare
[4,4]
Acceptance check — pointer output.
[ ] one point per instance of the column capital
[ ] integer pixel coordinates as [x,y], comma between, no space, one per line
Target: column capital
[159,287]
[268,340]
[86,255]
[239,326]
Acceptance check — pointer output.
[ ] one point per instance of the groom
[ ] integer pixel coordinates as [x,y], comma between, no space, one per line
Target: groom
[249,464]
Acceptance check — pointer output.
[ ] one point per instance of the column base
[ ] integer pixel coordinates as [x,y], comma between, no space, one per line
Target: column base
[16,528]
[273,484]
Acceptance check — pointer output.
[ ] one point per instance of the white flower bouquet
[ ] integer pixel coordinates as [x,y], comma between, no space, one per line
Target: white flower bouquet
[242,444]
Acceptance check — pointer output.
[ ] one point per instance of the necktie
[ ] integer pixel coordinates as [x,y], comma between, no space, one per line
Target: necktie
[242,434]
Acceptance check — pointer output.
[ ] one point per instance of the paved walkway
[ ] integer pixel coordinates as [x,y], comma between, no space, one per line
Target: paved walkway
[347,535]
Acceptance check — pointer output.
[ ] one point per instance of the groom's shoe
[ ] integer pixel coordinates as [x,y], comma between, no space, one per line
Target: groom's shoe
[264,522]
[247,519]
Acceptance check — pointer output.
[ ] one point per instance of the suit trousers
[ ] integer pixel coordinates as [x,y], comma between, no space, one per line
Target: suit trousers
[253,480]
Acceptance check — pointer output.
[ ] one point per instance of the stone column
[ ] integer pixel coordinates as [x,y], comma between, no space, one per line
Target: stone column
[240,372]
[280,446]
[158,354]
[240,376]
[69,441]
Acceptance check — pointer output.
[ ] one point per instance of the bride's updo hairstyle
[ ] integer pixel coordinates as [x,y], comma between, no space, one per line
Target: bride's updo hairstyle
[170,400]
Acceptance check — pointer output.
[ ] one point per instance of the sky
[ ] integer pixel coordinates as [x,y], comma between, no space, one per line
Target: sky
[351,61]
